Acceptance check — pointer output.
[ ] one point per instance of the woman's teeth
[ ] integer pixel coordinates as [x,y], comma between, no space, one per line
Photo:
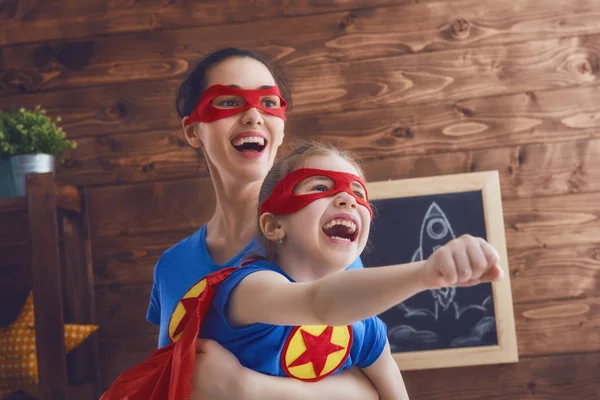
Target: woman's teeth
[253,139]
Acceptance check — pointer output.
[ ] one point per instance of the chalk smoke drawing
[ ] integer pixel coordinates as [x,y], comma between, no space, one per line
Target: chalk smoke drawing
[436,231]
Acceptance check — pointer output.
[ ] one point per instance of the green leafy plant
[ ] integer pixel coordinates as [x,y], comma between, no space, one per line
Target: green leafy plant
[31,132]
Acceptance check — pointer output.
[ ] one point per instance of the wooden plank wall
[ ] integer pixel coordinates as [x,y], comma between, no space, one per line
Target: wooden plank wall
[416,88]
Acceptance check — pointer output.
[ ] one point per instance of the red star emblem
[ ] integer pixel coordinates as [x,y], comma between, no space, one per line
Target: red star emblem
[190,306]
[318,348]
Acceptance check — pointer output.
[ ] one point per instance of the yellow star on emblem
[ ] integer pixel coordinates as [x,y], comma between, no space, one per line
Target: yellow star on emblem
[18,360]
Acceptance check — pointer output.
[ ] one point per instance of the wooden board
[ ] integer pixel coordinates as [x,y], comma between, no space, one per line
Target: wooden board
[546,128]
[37,20]
[151,207]
[46,286]
[543,326]
[530,221]
[366,84]
[541,274]
[339,36]
[130,260]
[572,377]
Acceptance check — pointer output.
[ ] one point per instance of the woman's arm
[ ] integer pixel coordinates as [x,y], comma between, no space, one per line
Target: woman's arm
[349,296]
[347,385]
[219,376]
[385,375]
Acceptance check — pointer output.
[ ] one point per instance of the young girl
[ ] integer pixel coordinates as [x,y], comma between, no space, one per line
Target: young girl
[299,312]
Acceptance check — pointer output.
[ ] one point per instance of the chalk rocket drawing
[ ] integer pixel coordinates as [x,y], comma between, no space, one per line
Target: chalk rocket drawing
[436,231]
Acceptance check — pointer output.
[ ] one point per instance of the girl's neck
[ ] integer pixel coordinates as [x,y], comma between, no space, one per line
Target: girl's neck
[303,268]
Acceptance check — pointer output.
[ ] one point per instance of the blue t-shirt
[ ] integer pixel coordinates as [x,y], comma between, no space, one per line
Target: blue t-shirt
[178,274]
[307,352]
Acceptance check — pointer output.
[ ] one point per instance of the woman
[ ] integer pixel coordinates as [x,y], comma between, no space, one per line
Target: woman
[239,132]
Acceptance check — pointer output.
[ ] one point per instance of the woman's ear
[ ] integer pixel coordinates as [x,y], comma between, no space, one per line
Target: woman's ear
[271,227]
[190,134]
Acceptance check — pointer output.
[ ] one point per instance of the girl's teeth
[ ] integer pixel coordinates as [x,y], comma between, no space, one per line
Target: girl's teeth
[340,238]
[344,222]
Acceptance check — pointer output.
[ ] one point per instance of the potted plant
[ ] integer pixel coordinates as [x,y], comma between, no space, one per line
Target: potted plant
[30,141]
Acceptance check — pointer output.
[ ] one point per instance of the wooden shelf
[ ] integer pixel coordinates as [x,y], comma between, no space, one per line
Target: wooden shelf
[67,198]
[47,248]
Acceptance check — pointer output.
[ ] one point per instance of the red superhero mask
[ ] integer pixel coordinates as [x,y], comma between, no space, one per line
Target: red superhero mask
[246,99]
[283,200]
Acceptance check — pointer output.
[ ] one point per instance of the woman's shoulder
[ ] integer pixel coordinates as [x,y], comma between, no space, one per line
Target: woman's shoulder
[183,252]
[187,244]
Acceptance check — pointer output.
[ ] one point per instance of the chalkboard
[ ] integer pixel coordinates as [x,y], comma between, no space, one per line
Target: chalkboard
[412,219]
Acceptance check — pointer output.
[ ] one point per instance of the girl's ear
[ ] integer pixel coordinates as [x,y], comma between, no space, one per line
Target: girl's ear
[271,227]
[190,134]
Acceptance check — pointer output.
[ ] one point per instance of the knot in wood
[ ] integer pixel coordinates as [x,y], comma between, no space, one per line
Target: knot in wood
[20,81]
[72,163]
[460,28]
[177,141]
[347,20]
[75,56]
[116,111]
[148,168]
[586,67]
[402,132]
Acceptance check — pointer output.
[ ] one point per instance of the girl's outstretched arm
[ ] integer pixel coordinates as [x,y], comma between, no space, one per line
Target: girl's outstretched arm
[349,296]
[339,299]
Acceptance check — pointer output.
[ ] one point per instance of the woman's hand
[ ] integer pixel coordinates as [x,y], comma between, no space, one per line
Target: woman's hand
[217,374]
[464,261]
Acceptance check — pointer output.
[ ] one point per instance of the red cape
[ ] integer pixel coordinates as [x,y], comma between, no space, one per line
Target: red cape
[167,373]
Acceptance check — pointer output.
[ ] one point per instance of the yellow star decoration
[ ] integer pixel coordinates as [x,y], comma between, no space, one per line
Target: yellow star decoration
[18,361]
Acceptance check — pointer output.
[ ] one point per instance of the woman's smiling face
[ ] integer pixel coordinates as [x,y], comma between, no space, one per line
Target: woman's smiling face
[243,146]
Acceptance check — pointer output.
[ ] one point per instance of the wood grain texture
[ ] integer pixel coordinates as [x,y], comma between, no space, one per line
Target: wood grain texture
[543,327]
[569,220]
[568,377]
[366,84]
[566,176]
[542,118]
[343,36]
[130,260]
[571,272]
[150,207]
[30,21]
[78,294]
[46,285]
[107,110]
[541,274]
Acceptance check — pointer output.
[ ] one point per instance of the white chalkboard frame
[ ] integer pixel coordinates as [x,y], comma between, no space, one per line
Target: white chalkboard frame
[488,182]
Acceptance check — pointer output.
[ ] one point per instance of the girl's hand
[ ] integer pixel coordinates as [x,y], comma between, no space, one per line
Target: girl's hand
[464,261]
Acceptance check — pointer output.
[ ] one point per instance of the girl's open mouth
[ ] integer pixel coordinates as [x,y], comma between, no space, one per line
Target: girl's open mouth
[341,229]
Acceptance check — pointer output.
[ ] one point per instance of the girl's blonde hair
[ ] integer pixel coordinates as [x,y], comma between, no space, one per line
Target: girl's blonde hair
[288,164]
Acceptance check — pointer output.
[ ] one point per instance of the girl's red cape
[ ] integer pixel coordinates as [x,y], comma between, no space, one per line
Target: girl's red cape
[167,373]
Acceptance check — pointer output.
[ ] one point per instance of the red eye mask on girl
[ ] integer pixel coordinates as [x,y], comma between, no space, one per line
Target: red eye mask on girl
[283,200]
[246,99]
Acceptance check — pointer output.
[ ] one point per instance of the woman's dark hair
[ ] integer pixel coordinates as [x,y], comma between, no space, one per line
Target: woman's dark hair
[195,84]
